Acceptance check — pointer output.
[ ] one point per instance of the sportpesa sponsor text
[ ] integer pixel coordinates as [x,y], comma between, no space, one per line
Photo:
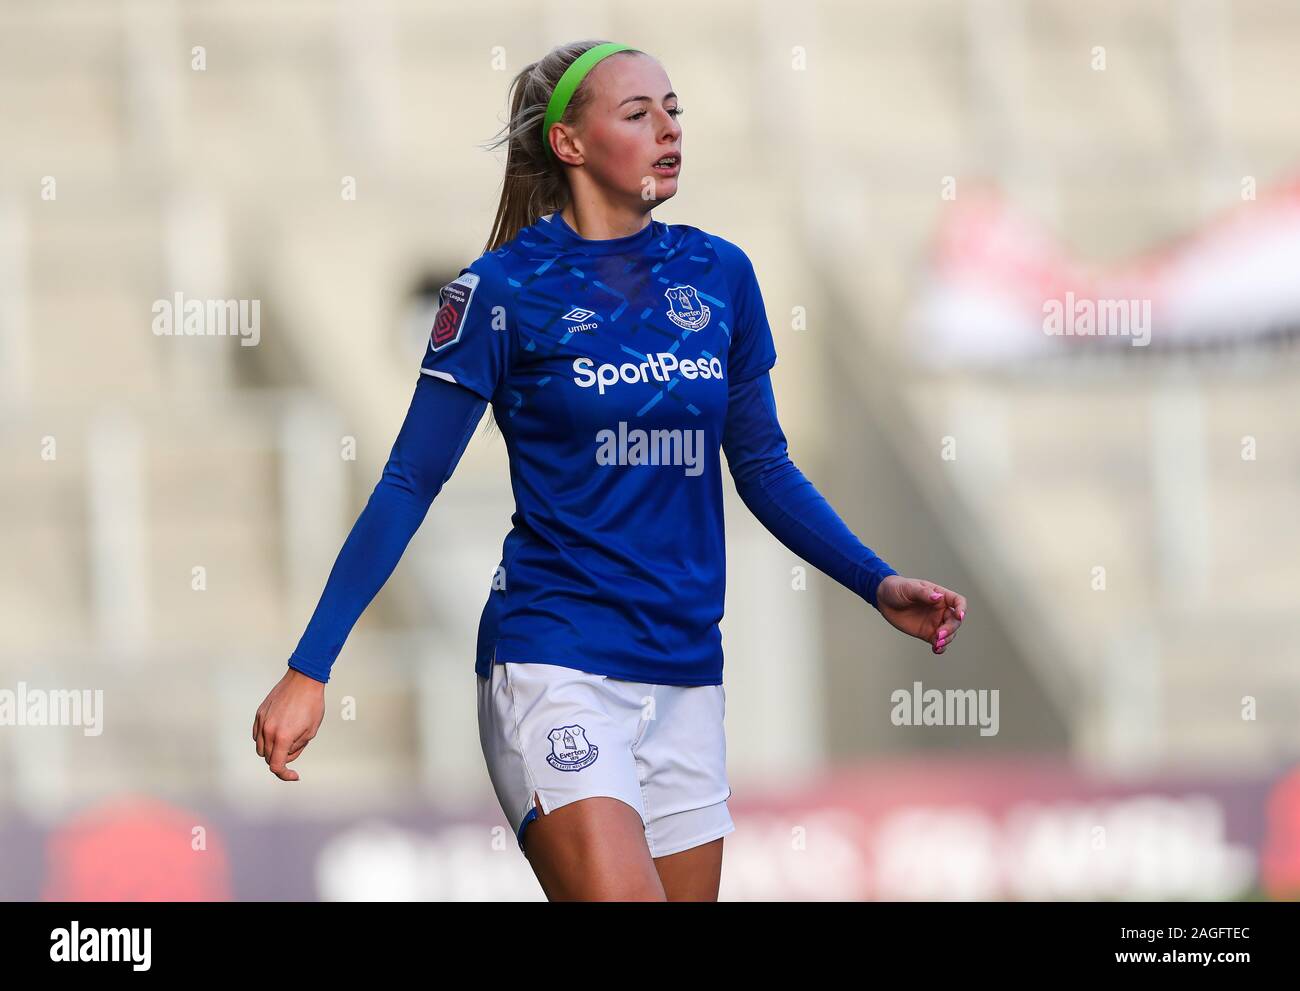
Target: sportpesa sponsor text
[659,366]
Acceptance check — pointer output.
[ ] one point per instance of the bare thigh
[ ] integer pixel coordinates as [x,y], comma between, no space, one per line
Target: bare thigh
[693,875]
[593,849]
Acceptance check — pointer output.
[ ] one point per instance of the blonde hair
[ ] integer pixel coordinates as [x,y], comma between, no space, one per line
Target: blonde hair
[535,184]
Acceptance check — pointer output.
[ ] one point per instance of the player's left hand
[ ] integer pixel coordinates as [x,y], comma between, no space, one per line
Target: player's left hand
[921,609]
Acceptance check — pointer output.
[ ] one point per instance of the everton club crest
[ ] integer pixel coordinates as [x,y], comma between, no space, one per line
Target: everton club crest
[570,750]
[685,308]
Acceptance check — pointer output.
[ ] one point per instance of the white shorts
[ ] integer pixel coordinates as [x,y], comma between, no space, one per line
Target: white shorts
[566,734]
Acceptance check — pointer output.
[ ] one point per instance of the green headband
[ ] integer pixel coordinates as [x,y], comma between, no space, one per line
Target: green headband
[568,85]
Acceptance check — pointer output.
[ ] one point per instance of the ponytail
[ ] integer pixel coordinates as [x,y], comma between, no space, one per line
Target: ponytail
[534,184]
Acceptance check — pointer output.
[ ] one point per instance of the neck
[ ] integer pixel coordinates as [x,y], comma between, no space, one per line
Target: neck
[601,221]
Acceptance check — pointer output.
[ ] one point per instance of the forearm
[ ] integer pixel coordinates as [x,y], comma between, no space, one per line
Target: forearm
[369,556]
[794,512]
[433,437]
[785,501]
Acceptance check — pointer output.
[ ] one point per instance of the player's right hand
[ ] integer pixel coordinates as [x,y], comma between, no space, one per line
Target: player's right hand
[287,720]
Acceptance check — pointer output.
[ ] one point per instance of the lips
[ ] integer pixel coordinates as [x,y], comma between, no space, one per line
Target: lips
[667,163]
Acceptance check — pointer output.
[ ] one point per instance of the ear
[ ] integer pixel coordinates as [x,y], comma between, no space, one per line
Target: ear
[566,145]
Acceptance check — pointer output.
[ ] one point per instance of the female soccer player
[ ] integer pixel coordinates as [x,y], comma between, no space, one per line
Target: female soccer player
[620,355]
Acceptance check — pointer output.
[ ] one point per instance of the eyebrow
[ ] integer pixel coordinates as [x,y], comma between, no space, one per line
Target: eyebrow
[630,99]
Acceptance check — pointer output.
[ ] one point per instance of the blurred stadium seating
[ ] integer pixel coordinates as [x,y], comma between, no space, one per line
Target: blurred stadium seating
[172,504]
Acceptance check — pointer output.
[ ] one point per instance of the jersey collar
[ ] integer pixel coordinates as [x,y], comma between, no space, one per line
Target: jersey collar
[554,227]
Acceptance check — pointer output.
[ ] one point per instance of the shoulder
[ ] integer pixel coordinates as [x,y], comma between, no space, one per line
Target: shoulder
[480,295]
[731,256]
[485,282]
[735,263]
[489,269]
[728,250]
[685,235]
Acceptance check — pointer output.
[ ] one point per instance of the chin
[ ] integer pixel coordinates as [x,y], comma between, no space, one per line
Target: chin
[665,189]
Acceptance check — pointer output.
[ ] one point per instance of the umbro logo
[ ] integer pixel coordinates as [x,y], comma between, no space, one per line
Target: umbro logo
[576,316]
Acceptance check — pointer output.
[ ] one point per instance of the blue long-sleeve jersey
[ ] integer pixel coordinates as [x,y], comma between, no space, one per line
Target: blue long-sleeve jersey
[619,371]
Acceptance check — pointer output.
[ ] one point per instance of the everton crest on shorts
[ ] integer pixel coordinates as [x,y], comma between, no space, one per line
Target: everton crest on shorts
[570,750]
